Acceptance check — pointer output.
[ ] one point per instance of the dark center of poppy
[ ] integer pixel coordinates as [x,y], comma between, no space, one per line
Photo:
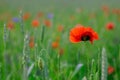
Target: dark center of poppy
[85,38]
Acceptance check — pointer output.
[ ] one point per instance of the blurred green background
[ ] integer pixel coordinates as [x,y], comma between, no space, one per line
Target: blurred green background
[43,5]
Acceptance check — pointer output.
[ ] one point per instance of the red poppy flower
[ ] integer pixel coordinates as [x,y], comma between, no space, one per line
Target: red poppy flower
[26,16]
[110,26]
[55,45]
[35,23]
[60,28]
[10,25]
[110,70]
[116,11]
[105,8]
[81,33]
[47,23]
[40,14]
[31,43]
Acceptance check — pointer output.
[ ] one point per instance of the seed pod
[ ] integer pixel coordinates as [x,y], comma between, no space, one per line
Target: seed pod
[40,63]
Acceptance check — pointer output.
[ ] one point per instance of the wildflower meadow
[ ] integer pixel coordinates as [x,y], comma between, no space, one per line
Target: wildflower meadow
[59,40]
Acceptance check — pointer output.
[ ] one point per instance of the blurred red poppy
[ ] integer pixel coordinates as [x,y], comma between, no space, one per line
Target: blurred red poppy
[40,14]
[110,26]
[60,28]
[31,43]
[47,23]
[10,25]
[81,33]
[26,16]
[110,70]
[116,11]
[105,9]
[35,23]
[55,44]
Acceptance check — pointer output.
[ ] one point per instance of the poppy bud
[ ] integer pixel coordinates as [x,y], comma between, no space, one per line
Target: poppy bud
[40,63]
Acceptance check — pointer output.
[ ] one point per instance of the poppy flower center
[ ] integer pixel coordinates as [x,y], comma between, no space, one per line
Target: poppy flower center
[85,38]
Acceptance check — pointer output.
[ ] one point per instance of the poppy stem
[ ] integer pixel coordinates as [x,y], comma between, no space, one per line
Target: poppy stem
[116,78]
[116,63]
[59,67]
[42,33]
[119,54]
[88,67]
[36,52]
[99,55]
[0,70]
[43,74]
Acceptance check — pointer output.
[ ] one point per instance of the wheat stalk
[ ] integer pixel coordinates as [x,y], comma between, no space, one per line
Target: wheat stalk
[104,65]
[21,21]
[25,57]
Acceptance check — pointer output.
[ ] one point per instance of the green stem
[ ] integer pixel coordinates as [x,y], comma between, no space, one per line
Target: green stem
[43,74]
[42,34]
[59,67]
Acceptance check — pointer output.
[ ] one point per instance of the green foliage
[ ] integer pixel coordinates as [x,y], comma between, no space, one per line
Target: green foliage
[80,61]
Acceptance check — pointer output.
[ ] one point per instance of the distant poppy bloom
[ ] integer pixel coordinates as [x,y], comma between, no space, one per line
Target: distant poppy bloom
[61,51]
[105,9]
[81,33]
[35,23]
[31,43]
[116,11]
[110,70]
[40,14]
[110,26]
[47,23]
[60,28]
[26,16]
[10,25]
[55,44]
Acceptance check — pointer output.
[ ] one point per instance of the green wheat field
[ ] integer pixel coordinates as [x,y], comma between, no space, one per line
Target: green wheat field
[39,40]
